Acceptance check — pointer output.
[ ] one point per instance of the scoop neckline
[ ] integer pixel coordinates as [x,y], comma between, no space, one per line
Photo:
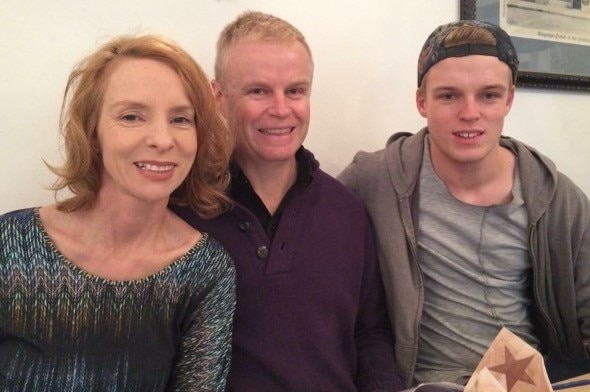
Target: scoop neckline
[92,277]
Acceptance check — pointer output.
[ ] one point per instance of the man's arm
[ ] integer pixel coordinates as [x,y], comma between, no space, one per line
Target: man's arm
[377,368]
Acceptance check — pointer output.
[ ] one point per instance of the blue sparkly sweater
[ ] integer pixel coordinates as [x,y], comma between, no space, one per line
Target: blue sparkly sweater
[62,329]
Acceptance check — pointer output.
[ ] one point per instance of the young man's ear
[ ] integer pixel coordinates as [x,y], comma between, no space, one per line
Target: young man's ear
[510,98]
[421,101]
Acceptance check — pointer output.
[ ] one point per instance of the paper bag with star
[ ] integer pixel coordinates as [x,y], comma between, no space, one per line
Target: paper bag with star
[510,365]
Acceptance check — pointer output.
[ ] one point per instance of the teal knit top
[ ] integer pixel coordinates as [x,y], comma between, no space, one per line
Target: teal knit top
[62,329]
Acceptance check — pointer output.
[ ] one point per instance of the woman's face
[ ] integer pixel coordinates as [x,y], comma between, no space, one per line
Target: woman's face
[146,131]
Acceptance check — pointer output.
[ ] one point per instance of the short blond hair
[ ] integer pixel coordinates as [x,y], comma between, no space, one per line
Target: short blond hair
[256,26]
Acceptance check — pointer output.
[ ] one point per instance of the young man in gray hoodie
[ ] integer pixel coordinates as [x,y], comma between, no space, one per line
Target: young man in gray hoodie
[475,230]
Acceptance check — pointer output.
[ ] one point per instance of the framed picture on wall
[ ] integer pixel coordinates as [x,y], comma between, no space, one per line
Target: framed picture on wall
[552,38]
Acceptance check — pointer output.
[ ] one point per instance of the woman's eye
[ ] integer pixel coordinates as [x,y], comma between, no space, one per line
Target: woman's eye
[130,117]
[181,120]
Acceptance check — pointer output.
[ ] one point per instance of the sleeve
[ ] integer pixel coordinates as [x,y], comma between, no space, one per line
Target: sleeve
[582,283]
[203,360]
[563,249]
[377,368]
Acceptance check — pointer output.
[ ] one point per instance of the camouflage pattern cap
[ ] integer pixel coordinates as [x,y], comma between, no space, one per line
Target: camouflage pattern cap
[434,49]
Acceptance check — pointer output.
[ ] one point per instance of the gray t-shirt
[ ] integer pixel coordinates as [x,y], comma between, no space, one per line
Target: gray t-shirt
[476,270]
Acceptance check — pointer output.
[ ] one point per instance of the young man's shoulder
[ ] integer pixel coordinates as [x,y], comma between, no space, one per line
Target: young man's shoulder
[399,145]
[570,193]
[399,162]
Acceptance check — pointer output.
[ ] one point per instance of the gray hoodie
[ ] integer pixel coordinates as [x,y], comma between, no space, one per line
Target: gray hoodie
[559,244]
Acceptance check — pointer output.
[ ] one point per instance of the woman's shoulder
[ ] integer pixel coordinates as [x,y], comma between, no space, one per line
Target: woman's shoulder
[209,251]
[18,219]
[20,231]
[208,258]
[20,215]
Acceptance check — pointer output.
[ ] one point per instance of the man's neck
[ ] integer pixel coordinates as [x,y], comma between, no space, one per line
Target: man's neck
[271,181]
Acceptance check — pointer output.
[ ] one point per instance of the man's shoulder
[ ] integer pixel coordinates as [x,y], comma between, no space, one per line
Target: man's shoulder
[212,224]
[333,190]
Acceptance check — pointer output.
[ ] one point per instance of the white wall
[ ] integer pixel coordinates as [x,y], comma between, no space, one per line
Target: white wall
[365,54]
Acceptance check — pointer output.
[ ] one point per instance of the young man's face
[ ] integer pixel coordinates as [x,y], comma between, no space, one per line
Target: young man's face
[265,99]
[465,100]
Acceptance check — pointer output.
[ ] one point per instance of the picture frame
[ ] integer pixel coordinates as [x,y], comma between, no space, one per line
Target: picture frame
[553,45]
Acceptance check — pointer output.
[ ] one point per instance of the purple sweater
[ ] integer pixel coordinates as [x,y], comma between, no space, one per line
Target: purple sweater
[310,313]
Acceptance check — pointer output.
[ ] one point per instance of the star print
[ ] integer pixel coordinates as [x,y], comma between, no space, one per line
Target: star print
[514,369]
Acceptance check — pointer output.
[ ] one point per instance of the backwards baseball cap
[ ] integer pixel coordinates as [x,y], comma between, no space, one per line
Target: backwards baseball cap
[435,49]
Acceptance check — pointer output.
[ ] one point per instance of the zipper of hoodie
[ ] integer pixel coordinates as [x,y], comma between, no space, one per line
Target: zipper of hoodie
[413,245]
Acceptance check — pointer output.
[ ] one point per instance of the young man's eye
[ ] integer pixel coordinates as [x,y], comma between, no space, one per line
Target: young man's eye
[490,95]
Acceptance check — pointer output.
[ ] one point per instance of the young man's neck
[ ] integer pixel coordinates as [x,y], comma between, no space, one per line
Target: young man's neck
[482,183]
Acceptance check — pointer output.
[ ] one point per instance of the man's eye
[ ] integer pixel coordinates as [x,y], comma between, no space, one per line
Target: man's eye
[297,92]
[257,91]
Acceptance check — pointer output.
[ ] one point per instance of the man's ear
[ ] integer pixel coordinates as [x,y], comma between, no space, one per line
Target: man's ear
[421,101]
[220,101]
[216,88]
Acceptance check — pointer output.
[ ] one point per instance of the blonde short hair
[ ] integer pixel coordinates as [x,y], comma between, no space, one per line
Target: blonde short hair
[256,26]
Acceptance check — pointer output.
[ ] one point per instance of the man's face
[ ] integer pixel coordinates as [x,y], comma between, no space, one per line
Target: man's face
[465,100]
[265,100]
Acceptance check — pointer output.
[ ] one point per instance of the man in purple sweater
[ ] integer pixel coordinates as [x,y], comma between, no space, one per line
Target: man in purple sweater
[310,312]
